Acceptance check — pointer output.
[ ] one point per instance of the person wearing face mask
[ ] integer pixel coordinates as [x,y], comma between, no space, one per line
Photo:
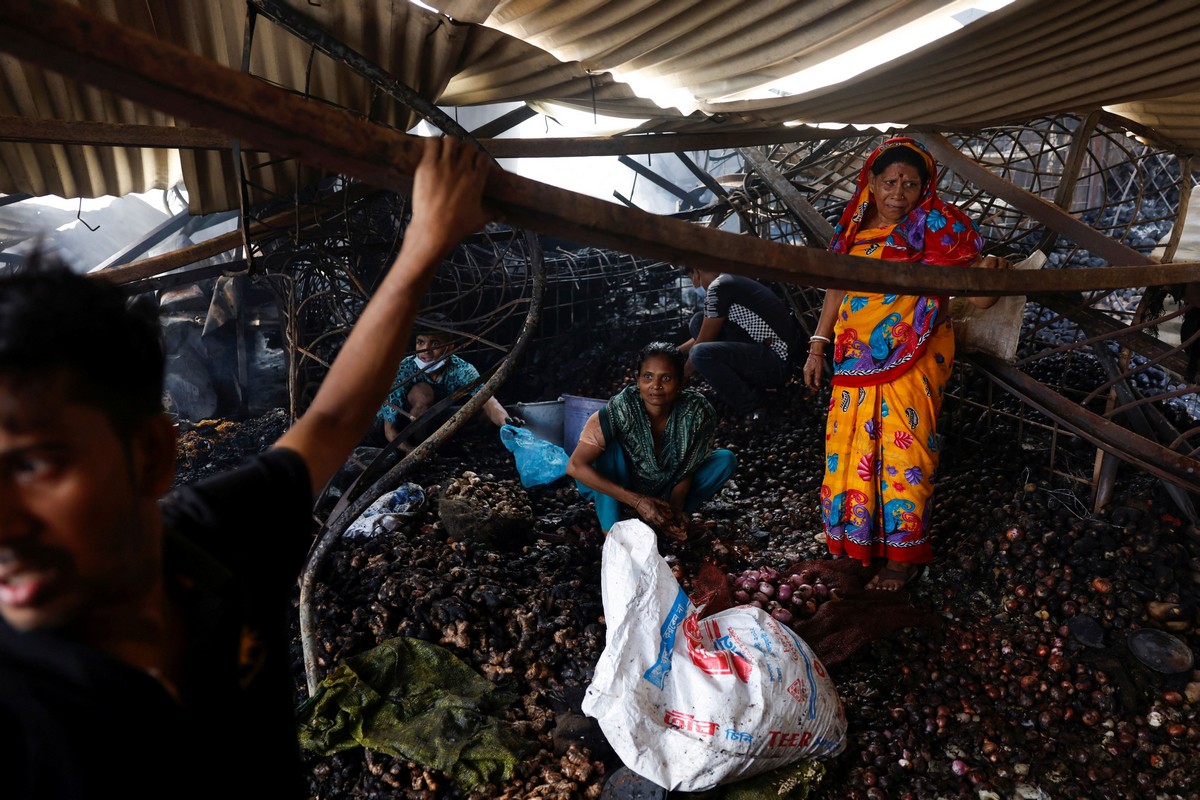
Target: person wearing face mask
[430,375]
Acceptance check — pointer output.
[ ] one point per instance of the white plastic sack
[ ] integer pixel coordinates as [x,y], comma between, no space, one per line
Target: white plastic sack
[691,704]
[995,330]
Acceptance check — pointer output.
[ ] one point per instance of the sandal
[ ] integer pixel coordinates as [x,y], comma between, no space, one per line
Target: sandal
[897,575]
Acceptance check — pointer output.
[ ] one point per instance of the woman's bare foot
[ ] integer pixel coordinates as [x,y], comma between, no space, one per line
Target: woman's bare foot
[895,575]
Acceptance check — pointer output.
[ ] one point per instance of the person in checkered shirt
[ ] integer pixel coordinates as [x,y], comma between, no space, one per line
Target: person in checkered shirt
[742,342]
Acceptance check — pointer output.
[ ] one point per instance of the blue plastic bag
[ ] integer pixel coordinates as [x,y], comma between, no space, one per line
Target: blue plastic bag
[538,461]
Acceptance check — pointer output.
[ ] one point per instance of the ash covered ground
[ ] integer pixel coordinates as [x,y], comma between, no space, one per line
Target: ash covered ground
[1019,683]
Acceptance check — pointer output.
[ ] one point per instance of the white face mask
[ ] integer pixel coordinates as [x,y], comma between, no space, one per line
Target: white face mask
[429,366]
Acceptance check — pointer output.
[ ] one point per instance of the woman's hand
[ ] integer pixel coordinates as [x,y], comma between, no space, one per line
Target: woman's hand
[676,530]
[814,371]
[988,262]
[654,511]
[678,527]
[991,262]
[819,343]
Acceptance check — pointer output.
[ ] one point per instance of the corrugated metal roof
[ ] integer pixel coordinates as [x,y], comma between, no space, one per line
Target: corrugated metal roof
[709,48]
[1029,59]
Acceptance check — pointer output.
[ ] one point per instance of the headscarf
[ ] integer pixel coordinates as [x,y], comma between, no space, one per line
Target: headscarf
[934,232]
[686,441]
[890,333]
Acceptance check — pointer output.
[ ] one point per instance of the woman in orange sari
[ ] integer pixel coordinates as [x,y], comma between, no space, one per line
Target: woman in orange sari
[892,356]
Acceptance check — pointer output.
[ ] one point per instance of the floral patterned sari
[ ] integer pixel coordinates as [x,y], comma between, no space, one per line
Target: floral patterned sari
[892,357]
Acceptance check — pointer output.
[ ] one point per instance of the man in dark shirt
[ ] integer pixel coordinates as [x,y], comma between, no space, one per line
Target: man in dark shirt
[742,342]
[144,640]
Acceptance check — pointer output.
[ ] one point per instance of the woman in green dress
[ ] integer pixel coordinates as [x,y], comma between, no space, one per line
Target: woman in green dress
[649,451]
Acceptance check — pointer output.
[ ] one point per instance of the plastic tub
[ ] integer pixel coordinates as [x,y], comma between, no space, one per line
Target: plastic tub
[576,411]
[544,420]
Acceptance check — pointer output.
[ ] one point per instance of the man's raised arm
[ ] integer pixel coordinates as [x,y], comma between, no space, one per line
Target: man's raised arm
[447,205]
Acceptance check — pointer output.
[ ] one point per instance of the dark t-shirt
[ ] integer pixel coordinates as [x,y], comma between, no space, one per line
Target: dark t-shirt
[753,310]
[77,723]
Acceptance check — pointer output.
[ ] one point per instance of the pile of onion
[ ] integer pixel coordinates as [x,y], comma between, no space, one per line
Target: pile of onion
[787,598]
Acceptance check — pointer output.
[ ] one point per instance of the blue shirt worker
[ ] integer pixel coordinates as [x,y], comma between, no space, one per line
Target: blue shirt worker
[742,342]
[430,375]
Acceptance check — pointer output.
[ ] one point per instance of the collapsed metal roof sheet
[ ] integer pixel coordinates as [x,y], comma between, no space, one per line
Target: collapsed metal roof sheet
[1021,62]
[1028,59]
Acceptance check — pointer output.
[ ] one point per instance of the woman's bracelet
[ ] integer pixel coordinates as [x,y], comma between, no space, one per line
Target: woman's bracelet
[818,338]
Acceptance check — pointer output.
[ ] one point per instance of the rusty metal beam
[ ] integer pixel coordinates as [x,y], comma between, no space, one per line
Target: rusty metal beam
[279,224]
[93,49]
[691,198]
[1043,211]
[135,249]
[817,227]
[1104,478]
[185,276]
[1185,200]
[718,191]
[1080,140]
[642,144]
[239,166]
[109,134]
[502,123]
[1144,454]
[1145,132]
[1081,137]
[1096,323]
[309,31]
[157,265]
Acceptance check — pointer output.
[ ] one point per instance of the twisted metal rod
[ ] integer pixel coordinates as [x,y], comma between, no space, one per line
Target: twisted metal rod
[335,527]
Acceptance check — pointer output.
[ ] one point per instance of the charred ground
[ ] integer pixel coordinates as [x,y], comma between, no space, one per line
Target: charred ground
[1001,698]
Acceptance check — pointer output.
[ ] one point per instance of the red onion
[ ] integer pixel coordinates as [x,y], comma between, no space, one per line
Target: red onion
[821,591]
[761,599]
[741,596]
[766,588]
[804,591]
[783,615]
[784,592]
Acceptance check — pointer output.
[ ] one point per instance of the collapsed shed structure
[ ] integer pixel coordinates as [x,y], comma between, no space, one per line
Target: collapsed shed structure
[1068,128]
